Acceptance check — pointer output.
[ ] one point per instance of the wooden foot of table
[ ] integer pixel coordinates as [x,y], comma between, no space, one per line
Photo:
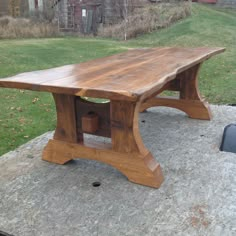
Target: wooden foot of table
[53,154]
[189,101]
[126,152]
[137,168]
[195,109]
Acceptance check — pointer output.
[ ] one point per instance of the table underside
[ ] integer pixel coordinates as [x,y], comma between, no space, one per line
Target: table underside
[118,120]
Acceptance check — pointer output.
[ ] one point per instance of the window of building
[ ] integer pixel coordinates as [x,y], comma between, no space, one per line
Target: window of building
[84,12]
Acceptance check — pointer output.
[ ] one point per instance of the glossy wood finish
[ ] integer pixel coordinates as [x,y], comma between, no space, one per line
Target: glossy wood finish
[126,153]
[132,75]
[131,81]
[189,100]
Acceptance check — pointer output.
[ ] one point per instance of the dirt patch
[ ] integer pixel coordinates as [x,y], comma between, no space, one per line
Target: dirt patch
[199,216]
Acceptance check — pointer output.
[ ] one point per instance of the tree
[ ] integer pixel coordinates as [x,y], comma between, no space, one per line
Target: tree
[125,8]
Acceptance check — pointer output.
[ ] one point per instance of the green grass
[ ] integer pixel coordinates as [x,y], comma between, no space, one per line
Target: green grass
[25,114]
[206,27]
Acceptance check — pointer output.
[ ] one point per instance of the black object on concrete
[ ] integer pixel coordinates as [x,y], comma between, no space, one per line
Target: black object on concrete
[95,184]
[228,143]
[4,234]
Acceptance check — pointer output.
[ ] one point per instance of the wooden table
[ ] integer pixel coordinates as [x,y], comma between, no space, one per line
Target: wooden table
[131,81]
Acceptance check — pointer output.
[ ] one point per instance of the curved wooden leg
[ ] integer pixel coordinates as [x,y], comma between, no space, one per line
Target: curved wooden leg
[189,101]
[193,108]
[65,130]
[140,166]
[126,153]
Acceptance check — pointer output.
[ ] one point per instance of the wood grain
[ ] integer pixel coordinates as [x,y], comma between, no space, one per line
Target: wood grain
[131,81]
[124,127]
[137,168]
[90,123]
[126,153]
[133,75]
[194,109]
[189,100]
[66,129]
[66,119]
[84,107]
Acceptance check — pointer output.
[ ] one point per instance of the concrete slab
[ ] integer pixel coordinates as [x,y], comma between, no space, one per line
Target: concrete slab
[197,198]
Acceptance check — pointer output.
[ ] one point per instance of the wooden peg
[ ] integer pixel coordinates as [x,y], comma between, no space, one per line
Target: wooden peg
[90,122]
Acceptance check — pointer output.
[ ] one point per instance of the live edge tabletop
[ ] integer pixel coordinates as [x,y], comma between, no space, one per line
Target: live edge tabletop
[131,81]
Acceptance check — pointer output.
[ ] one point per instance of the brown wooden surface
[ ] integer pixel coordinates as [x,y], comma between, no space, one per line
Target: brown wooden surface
[189,100]
[84,107]
[90,123]
[132,75]
[137,168]
[131,81]
[124,127]
[66,119]
[126,152]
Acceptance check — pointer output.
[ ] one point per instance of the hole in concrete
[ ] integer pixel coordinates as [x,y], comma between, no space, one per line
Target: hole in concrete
[4,234]
[96,184]
[143,121]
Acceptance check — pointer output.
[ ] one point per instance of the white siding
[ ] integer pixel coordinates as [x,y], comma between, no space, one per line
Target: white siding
[31,5]
[40,2]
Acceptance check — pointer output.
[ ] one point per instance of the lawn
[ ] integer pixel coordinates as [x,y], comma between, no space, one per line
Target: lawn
[25,114]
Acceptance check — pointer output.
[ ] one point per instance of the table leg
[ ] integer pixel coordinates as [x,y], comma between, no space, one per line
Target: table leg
[126,151]
[139,165]
[189,101]
[66,129]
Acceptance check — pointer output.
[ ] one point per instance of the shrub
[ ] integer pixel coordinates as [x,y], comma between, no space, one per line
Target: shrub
[25,28]
[147,19]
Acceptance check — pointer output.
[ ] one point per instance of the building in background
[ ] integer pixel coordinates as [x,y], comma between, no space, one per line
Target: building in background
[35,5]
[11,7]
[3,7]
[87,15]
[84,16]
[17,8]
[79,15]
